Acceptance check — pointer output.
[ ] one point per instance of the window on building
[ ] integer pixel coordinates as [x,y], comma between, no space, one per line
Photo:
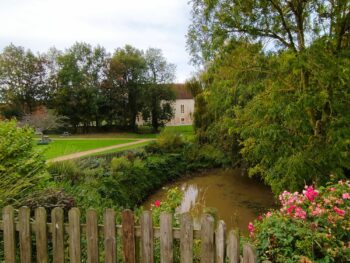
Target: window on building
[182,108]
[182,120]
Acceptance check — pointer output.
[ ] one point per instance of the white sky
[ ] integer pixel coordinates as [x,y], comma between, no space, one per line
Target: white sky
[41,24]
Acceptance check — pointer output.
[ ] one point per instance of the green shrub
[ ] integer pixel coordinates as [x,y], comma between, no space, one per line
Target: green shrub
[167,141]
[21,165]
[120,163]
[67,170]
[312,226]
[204,157]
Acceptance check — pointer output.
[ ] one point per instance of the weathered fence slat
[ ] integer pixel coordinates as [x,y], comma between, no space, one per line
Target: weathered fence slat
[110,238]
[57,235]
[146,237]
[128,236]
[207,237]
[25,241]
[186,238]
[92,236]
[41,235]
[220,237]
[74,235]
[166,238]
[233,249]
[9,234]
[249,254]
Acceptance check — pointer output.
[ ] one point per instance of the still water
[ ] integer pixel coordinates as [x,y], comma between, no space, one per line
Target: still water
[236,198]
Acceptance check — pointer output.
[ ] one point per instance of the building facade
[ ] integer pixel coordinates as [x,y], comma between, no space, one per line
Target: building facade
[183,107]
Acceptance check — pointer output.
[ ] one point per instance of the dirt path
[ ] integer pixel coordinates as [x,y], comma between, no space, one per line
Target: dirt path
[81,154]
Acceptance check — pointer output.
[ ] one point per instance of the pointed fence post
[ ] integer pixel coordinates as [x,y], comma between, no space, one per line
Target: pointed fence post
[110,238]
[25,240]
[74,235]
[92,236]
[249,254]
[128,236]
[166,238]
[207,237]
[186,238]
[9,234]
[220,242]
[147,237]
[57,235]
[41,235]
[233,249]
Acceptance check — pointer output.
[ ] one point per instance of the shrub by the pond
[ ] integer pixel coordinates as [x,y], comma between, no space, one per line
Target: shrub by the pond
[21,166]
[313,226]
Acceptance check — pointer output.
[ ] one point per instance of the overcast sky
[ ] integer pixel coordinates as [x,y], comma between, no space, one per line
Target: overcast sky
[40,24]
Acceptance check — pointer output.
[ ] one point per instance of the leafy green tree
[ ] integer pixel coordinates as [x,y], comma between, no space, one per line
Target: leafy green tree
[128,67]
[22,78]
[293,135]
[21,165]
[158,96]
[81,74]
[289,24]
[287,104]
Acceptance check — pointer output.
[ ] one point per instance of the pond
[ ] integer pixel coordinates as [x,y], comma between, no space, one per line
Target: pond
[236,198]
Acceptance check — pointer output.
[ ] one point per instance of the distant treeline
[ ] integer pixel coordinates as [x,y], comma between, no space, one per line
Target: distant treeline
[87,85]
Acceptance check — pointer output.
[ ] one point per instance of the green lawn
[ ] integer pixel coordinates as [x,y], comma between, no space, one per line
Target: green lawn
[83,142]
[68,146]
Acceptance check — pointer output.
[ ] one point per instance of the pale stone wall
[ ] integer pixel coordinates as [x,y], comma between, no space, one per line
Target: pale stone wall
[184,117]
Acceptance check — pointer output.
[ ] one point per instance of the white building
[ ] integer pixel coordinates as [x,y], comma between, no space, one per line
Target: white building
[183,106]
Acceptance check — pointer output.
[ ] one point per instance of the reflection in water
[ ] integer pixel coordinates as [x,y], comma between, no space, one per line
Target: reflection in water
[236,198]
[189,198]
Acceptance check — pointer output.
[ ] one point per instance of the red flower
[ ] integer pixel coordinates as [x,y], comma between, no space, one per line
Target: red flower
[310,193]
[157,203]
[291,209]
[339,211]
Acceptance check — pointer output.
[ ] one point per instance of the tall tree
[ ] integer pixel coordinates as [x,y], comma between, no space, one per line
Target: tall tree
[82,72]
[22,78]
[128,69]
[159,95]
[293,125]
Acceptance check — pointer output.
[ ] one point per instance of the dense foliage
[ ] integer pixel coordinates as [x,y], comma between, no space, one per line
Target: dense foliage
[312,226]
[275,88]
[21,165]
[89,86]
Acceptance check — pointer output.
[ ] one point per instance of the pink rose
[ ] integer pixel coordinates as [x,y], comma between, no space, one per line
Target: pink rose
[346,196]
[300,213]
[251,228]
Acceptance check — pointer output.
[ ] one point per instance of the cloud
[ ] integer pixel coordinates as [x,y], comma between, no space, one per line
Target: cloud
[40,24]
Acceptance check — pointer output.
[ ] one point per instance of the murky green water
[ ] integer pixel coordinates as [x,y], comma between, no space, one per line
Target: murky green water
[237,198]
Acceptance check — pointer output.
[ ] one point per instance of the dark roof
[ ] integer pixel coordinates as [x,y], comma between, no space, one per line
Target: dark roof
[181,92]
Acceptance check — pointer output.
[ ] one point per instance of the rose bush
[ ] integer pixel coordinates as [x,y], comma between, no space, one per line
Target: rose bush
[312,226]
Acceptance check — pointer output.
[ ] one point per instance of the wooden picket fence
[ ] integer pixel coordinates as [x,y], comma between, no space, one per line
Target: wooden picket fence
[34,235]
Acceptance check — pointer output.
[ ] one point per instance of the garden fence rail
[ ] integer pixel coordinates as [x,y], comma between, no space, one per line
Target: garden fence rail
[32,239]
